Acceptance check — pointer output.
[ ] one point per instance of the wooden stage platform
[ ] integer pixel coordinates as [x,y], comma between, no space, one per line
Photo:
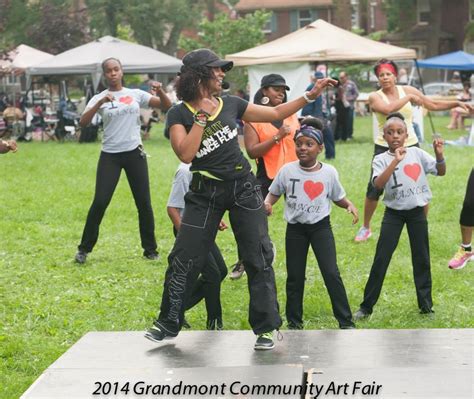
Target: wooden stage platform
[435,363]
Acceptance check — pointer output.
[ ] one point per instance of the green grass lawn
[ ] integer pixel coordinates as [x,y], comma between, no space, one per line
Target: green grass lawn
[48,302]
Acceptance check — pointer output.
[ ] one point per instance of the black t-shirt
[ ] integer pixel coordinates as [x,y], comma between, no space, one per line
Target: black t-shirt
[219,153]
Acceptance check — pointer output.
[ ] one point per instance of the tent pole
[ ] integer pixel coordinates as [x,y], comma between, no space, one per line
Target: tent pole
[423,91]
[328,104]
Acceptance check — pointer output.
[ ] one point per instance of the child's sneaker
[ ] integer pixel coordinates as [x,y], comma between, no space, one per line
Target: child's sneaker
[264,342]
[238,270]
[460,258]
[363,234]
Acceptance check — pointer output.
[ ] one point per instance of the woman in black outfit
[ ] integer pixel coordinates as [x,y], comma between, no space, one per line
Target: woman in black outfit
[203,131]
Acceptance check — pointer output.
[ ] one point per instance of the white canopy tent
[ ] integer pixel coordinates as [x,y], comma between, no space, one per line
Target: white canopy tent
[21,58]
[87,60]
[26,56]
[319,41]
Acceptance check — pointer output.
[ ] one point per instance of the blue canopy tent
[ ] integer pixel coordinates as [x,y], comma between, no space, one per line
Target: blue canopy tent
[458,60]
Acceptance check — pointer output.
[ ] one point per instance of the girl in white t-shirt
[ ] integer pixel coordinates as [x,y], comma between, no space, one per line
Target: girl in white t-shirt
[401,173]
[309,187]
[122,148]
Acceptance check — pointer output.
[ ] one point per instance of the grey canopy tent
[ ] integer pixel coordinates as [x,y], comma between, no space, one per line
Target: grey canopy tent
[87,60]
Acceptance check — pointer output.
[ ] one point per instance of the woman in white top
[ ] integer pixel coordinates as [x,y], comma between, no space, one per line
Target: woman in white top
[394,98]
[122,148]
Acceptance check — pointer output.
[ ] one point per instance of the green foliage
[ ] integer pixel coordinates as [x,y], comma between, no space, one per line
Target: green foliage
[469,31]
[158,23]
[48,25]
[15,18]
[106,16]
[378,35]
[400,15]
[225,36]
[48,302]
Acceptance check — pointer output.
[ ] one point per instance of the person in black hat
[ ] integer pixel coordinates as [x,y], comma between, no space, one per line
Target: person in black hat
[203,132]
[271,144]
[321,109]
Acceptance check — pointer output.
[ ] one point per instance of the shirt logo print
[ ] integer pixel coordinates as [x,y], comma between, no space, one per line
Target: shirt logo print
[412,171]
[313,189]
[126,100]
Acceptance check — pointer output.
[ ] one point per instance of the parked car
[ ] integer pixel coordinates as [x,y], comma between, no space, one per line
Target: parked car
[442,89]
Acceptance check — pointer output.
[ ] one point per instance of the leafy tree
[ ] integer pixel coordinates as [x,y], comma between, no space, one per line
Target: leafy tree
[106,16]
[158,23]
[15,18]
[58,27]
[153,23]
[400,15]
[226,36]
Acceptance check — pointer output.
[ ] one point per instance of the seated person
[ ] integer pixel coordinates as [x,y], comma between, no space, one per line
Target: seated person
[458,114]
[12,114]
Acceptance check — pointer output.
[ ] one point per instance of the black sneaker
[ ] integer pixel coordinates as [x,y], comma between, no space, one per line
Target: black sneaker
[264,342]
[237,270]
[158,334]
[426,311]
[81,257]
[214,324]
[347,327]
[152,255]
[295,326]
[186,325]
[360,315]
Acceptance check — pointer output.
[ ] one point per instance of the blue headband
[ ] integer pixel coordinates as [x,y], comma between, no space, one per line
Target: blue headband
[311,132]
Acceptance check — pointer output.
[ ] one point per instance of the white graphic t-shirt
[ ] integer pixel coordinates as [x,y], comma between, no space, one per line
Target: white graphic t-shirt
[308,195]
[408,186]
[182,180]
[121,118]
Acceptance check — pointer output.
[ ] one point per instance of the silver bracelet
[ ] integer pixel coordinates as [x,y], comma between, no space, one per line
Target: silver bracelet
[307,99]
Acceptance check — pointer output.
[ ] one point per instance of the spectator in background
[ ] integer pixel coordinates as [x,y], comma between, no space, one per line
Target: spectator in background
[402,76]
[7,146]
[347,94]
[12,114]
[320,109]
[458,114]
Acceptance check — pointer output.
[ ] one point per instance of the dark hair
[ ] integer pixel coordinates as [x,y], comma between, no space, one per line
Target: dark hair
[313,122]
[257,98]
[187,85]
[110,59]
[384,61]
[395,115]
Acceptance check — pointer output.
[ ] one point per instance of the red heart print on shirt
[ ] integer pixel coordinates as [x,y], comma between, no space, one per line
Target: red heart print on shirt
[126,100]
[313,189]
[412,171]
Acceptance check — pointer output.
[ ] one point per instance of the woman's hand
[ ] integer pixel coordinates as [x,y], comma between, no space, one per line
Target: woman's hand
[207,105]
[465,106]
[319,87]
[438,146]
[416,100]
[108,98]
[155,87]
[222,226]
[284,131]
